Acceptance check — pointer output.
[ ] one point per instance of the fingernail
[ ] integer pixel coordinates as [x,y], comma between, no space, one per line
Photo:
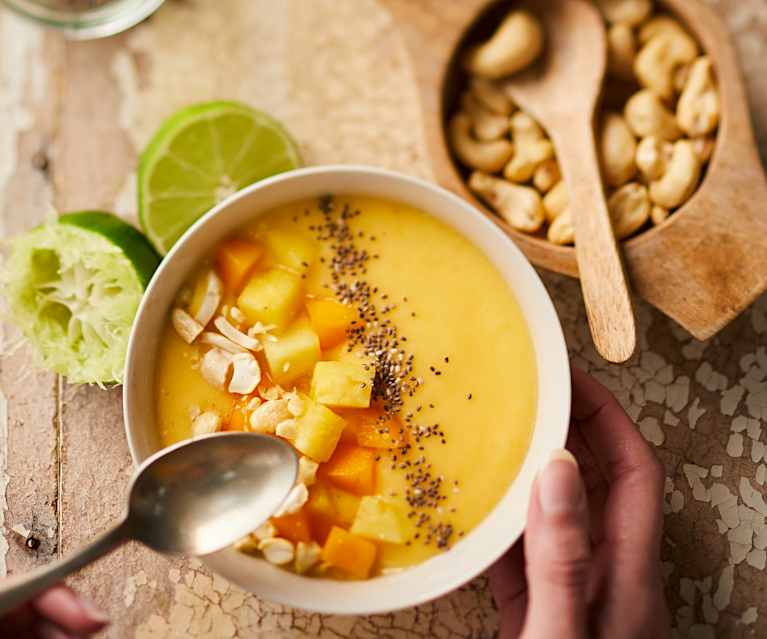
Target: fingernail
[559,485]
[95,614]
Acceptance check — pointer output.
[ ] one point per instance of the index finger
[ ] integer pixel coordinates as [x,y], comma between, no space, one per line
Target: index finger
[633,512]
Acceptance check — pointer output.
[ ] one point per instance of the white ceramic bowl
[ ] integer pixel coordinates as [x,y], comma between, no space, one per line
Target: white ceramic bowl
[503,526]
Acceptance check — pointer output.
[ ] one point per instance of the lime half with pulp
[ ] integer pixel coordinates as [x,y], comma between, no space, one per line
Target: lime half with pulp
[200,156]
[73,287]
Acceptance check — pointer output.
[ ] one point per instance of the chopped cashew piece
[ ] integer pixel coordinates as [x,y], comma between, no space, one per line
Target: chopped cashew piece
[622,51]
[487,126]
[630,12]
[237,315]
[206,423]
[307,471]
[491,95]
[246,374]
[210,300]
[219,341]
[524,128]
[681,179]
[514,46]
[287,429]
[215,367]
[561,231]
[247,545]
[520,206]
[556,201]
[647,115]
[658,214]
[704,147]
[277,551]
[238,337]
[658,60]
[547,175]
[698,109]
[528,156]
[186,326]
[652,157]
[629,209]
[617,147]
[660,25]
[296,405]
[268,415]
[485,156]
[307,556]
[265,531]
[295,500]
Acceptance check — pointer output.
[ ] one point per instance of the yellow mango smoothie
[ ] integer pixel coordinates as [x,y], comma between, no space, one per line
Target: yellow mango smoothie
[386,349]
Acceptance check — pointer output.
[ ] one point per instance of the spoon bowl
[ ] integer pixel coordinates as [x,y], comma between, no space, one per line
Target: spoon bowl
[200,496]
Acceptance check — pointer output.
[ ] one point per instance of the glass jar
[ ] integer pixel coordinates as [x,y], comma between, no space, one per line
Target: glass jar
[86,19]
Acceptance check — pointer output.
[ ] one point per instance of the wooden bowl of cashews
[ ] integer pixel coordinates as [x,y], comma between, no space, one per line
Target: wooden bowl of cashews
[680,166]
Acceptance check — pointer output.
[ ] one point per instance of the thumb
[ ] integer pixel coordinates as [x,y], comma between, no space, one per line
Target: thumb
[558,552]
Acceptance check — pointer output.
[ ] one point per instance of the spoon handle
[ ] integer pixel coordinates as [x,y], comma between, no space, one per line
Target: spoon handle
[18,590]
[603,279]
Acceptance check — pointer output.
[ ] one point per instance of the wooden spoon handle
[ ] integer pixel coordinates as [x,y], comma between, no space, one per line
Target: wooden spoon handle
[603,278]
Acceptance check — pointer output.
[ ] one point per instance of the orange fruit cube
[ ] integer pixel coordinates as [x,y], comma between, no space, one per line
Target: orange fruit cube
[350,553]
[351,468]
[234,260]
[330,320]
[295,527]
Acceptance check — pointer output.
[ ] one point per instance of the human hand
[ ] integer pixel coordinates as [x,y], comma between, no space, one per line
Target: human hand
[589,564]
[58,613]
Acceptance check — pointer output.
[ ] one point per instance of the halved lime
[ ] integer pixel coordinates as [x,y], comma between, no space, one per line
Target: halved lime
[201,155]
[73,286]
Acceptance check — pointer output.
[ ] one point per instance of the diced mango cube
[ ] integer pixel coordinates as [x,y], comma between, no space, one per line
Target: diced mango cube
[330,320]
[346,505]
[352,554]
[295,526]
[373,430]
[347,383]
[291,249]
[381,520]
[318,430]
[351,468]
[293,355]
[235,260]
[271,297]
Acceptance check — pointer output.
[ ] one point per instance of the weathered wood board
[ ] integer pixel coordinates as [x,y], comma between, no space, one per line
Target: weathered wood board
[336,72]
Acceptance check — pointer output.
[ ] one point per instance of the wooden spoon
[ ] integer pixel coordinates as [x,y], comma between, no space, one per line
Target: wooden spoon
[562,92]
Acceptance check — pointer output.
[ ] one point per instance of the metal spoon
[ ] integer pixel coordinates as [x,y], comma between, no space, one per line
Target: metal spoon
[193,498]
[562,92]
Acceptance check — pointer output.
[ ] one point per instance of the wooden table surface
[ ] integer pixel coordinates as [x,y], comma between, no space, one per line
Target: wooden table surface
[73,116]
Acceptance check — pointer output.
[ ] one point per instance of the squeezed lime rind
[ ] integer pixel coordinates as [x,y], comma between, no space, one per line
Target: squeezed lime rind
[73,287]
[165,215]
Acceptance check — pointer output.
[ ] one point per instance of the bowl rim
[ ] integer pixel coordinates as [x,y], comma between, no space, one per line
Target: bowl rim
[490,539]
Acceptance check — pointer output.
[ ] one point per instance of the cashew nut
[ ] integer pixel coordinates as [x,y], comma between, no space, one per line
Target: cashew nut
[547,175]
[659,59]
[621,51]
[704,147]
[561,231]
[698,109]
[487,126]
[647,115]
[520,206]
[658,214]
[484,156]
[652,157]
[681,75]
[681,179]
[629,209]
[491,96]
[632,12]
[617,147]
[531,148]
[556,201]
[515,45]
[660,25]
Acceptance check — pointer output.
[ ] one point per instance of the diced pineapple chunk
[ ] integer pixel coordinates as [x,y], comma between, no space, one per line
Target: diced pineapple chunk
[318,431]
[344,384]
[346,505]
[293,354]
[290,249]
[330,319]
[381,520]
[271,297]
[235,259]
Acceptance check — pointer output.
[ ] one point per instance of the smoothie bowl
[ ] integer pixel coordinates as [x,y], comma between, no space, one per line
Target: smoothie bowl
[398,340]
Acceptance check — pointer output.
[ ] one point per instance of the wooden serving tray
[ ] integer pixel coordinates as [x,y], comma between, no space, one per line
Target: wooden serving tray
[708,261]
